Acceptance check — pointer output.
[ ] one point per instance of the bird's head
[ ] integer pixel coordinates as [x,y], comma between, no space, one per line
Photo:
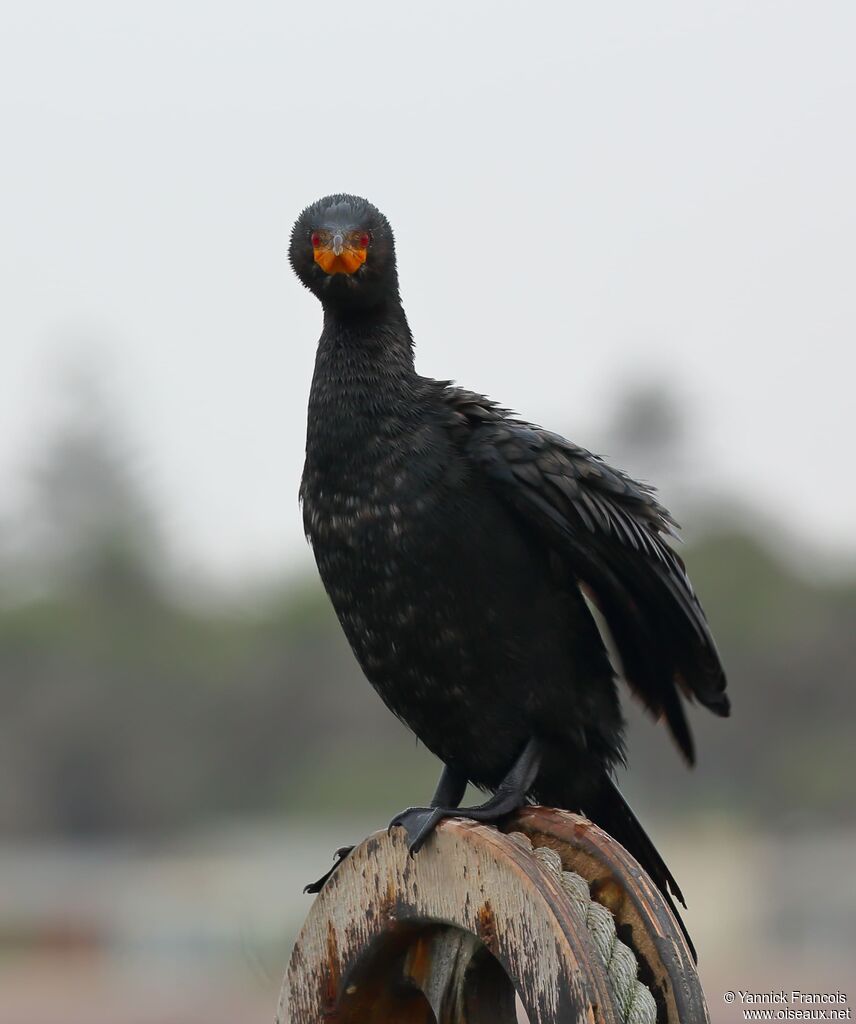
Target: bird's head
[342,249]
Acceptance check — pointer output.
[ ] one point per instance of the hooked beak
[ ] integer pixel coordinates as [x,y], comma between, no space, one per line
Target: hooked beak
[338,257]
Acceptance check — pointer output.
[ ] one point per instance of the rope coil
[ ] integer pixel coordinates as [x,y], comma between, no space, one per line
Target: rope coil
[635,1003]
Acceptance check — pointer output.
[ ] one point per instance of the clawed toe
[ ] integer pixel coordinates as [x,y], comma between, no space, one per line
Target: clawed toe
[338,857]
[419,823]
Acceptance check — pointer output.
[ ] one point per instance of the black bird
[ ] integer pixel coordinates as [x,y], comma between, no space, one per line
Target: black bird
[464,549]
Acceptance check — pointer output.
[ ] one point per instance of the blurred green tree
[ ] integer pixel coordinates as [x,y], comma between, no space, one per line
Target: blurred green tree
[123,711]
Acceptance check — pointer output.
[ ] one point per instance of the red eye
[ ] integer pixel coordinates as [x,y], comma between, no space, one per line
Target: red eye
[316,239]
[364,241]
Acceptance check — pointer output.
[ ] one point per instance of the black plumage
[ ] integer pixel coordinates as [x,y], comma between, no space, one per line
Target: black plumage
[464,549]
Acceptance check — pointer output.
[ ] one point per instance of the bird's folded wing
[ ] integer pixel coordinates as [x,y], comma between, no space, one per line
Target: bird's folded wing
[612,533]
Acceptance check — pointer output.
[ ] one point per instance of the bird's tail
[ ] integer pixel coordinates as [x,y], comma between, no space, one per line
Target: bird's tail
[613,814]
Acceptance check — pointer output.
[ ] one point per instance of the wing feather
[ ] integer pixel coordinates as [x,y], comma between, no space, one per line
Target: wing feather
[613,533]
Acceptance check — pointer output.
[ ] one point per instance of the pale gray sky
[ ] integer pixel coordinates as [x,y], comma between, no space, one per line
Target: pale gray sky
[580,192]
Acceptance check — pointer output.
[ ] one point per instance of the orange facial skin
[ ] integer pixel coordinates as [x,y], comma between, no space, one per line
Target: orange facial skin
[347,262]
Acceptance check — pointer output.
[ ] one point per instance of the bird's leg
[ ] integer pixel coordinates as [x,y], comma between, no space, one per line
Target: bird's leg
[338,857]
[419,822]
[450,788]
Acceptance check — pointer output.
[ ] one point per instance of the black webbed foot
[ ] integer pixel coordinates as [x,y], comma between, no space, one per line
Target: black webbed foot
[338,857]
[420,822]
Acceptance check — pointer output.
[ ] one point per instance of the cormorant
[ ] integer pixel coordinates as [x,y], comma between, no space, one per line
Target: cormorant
[464,549]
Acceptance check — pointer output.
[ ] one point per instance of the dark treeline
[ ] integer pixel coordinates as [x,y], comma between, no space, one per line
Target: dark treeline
[123,711]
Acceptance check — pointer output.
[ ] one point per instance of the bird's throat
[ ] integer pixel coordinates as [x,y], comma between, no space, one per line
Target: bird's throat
[364,381]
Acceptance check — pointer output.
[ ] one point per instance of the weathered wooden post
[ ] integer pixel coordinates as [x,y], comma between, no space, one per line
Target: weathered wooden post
[452,934]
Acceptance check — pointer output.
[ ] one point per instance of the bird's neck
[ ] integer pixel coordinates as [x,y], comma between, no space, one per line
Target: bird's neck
[365,380]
